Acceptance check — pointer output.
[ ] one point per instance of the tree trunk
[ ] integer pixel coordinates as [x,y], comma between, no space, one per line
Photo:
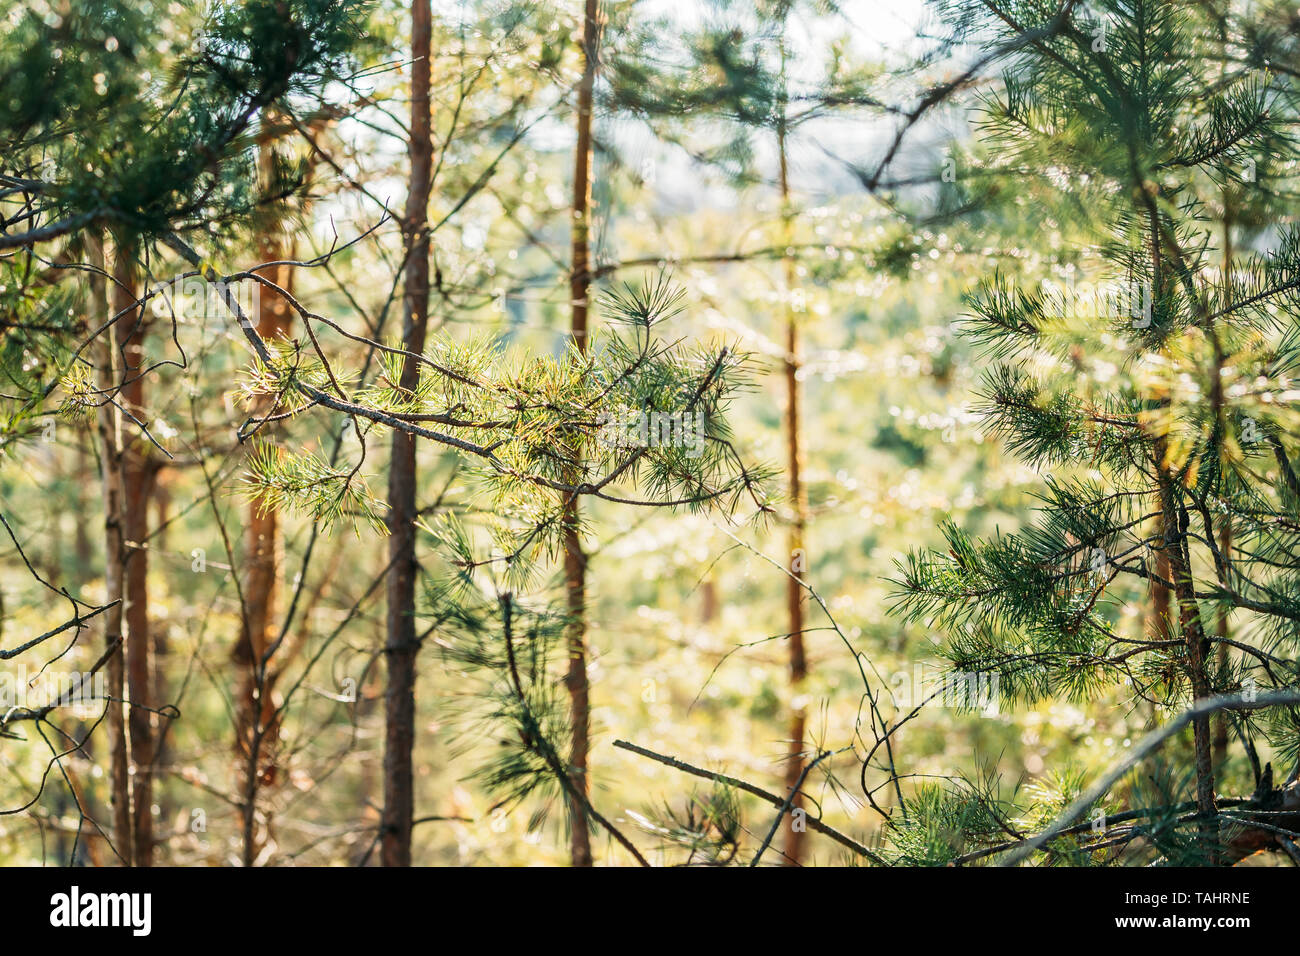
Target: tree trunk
[402,645]
[1160,620]
[255,708]
[1173,529]
[83,546]
[161,636]
[1219,746]
[575,560]
[794,838]
[110,438]
[138,475]
[708,600]
[1193,633]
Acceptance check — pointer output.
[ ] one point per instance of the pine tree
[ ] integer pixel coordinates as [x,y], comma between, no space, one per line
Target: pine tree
[733,83]
[260,656]
[575,560]
[1146,381]
[110,457]
[116,124]
[499,631]
[139,473]
[402,643]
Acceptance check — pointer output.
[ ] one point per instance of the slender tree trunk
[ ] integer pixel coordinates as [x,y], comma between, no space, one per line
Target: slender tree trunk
[138,476]
[54,552]
[794,837]
[110,438]
[255,711]
[575,560]
[708,600]
[402,644]
[161,636]
[1173,528]
[1219,746]
[1160,620]
[84,482]
[1193,633]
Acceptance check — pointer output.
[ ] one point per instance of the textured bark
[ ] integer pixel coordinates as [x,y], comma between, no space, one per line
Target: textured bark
[575,561]
[402,644]
[110,439]
[139,473]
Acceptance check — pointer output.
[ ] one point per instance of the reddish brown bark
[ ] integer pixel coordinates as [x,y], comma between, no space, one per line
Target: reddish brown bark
[575,560]
[256,726]
[1160,621]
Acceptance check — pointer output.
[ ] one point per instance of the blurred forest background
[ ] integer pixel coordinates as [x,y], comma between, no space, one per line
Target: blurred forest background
[619,431]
